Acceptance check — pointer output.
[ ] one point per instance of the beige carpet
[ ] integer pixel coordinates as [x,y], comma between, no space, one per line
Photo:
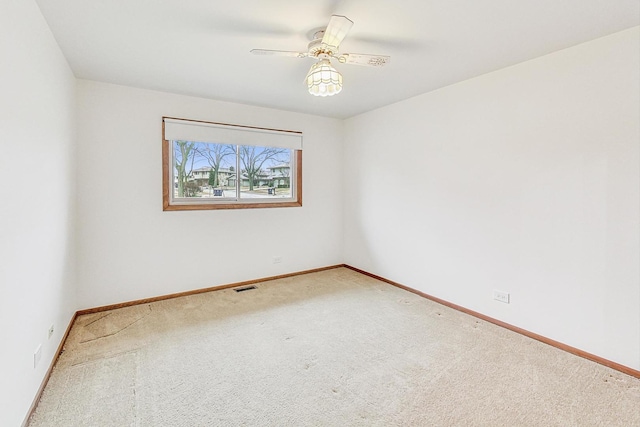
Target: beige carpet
[334,348]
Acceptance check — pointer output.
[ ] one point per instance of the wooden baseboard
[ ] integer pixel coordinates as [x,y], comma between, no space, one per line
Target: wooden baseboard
[45,380]
[202,290]
[624,369]
[576,351]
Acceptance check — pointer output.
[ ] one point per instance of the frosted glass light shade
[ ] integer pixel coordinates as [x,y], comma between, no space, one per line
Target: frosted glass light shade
[323,79]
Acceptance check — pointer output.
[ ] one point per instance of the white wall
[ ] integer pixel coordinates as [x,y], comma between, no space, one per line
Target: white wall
[130,249]
[37,283]
[524,180]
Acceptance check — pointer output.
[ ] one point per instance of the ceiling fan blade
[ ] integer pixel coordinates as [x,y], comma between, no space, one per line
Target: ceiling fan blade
[337,30]
[363,59]
[279,53]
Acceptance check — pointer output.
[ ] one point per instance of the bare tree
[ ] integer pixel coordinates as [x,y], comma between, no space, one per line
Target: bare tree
[184,155]
[215,153]
[253,158]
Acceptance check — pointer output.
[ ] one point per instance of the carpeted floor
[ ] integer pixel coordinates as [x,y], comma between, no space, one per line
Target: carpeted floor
[334,348]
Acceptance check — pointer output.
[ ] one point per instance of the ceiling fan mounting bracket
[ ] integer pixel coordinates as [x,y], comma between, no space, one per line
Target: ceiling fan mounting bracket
[316,33]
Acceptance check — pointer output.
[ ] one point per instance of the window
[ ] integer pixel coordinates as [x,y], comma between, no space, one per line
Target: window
[218,166]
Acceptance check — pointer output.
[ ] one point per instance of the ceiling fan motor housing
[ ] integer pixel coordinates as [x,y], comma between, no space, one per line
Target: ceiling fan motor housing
[319,50]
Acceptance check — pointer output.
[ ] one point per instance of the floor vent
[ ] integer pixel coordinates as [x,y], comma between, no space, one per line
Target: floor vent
[246,288]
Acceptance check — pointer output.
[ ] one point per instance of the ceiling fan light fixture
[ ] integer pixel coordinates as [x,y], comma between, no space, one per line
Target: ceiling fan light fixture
[323,79]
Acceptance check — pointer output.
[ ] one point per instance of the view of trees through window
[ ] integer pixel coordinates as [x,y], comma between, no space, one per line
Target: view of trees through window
[219,171]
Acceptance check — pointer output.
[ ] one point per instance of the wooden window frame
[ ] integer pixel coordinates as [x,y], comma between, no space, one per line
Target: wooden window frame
[167,184]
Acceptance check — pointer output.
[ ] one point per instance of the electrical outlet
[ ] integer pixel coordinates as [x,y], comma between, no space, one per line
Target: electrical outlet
[36,355]
[501,296]
[277,259]
[50,331]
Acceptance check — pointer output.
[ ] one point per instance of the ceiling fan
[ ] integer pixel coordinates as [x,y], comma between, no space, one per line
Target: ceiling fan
[322,79]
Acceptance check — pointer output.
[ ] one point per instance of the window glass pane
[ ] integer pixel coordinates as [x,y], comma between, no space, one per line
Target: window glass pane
[265,172]
[204,170]
[218,161]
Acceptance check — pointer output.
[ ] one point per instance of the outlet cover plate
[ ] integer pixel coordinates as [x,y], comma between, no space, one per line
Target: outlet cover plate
[501,296]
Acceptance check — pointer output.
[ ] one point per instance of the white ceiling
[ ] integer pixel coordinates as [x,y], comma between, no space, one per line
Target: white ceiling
[201,47]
